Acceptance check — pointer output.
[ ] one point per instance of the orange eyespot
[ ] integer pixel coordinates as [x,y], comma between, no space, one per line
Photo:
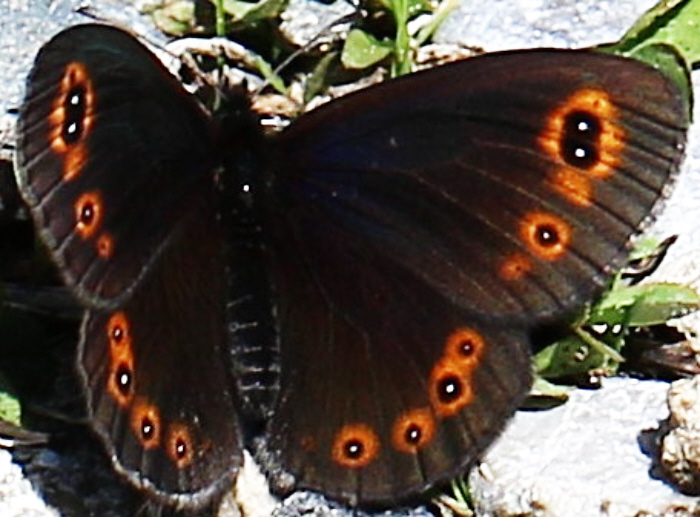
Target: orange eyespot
[145,422]
[583,133]
[88,214]
[545,235]
[71,118]
[120,383]
[118,332]
[355,446]
[180,446]
[450,388]
[413,430]
[465,347]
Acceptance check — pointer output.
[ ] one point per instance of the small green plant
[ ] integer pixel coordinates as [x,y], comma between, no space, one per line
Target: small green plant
[362,49]
[384,33]
[599,336]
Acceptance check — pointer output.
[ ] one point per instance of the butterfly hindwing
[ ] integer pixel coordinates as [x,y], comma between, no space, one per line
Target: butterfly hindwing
[156,375]
[387,387]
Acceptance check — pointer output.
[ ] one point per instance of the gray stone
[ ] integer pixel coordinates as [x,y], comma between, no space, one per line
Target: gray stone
[586,458]
[17,497]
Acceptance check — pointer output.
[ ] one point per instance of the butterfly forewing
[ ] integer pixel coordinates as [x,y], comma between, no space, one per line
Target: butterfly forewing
[463,173]
[99,138]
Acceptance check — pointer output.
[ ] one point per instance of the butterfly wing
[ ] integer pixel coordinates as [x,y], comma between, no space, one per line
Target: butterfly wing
[97,105]
[155,373]
[115,162]
[421,229]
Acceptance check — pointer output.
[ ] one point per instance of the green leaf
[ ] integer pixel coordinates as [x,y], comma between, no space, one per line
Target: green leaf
[622,307]
[176,18]
[647,247]
[444,8]
[251,12]
[670,22]
[544,394]
[456,502]
[362,50]
[10,409]
[403,57]
[316,82]
[269,74]
[645,305]
[573,356]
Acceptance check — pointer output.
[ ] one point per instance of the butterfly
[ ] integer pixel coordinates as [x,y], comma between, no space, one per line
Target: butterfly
[361,288]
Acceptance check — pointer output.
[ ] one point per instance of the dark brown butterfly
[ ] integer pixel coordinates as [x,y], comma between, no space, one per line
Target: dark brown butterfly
[364,283]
